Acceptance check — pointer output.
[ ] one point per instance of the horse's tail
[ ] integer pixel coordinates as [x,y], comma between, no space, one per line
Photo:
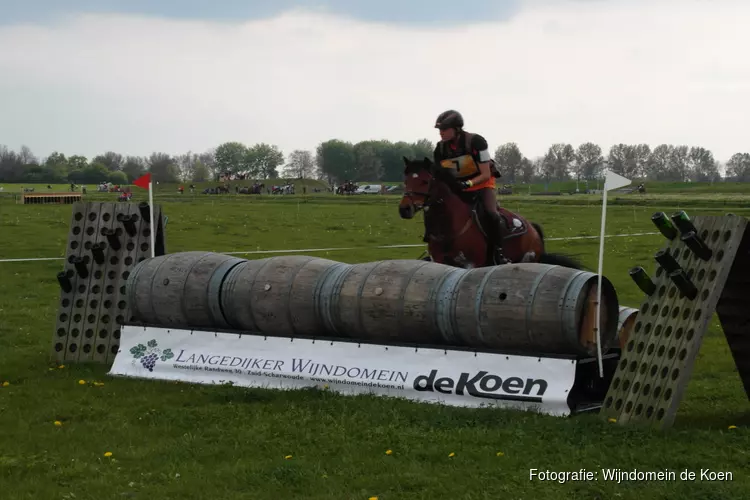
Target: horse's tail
[539,230]
[557,259]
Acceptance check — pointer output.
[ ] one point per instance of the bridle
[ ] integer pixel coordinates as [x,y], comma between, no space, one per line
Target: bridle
[426,195]
[426,205]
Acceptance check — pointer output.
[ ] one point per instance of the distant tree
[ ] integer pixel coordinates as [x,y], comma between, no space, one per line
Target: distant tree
[112,161]
[658,165]
[528,170]
[423,148]
[558,162]
[263,160]
[336,160]
[640,155]
[391,158]
[134,167]
[738,167]
[27,157]
[231,157]
[208,159]
[163,168]
[186,164]
[509,160]
[77,162]
[588,161]
[56,159]
[368,165]
[623,160]
[201,173]
[702,167]
[11,166]
[301,165]
[372,160]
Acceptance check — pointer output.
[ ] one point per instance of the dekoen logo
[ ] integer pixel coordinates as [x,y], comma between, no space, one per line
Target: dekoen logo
[484,385]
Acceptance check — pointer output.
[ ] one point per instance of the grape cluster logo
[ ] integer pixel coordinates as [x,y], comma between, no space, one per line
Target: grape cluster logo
[149,354]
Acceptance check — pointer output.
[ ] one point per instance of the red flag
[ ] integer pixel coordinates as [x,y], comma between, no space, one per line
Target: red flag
[143,181]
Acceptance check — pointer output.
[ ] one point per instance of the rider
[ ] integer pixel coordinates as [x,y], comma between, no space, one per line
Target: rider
[471,167]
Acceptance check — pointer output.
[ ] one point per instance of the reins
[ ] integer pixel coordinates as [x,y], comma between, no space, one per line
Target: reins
[427,205]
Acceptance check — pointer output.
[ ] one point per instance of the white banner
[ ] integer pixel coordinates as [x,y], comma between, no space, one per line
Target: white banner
[452,377]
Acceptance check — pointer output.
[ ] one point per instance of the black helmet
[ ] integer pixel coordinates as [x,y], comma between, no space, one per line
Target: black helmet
[449,119]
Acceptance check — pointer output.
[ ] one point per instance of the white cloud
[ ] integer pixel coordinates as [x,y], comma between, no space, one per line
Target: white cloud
[606,72]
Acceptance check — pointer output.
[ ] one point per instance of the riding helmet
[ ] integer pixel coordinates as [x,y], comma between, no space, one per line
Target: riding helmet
[449,119]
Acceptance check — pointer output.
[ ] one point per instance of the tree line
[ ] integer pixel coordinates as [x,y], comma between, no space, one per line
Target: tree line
[337,161]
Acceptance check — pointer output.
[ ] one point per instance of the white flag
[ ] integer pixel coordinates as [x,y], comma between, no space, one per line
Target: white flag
[614,181]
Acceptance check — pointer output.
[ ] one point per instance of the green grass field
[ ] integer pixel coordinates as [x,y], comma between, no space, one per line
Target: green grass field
[677,194]
[180,441]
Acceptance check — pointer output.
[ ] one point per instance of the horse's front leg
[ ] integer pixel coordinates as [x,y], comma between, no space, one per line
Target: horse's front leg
[462,261]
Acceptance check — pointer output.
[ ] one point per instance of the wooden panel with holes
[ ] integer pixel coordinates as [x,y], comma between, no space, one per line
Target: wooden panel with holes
[105,242]
[657,360]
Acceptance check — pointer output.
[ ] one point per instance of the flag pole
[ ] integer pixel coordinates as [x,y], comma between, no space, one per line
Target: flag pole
[600,270]
[611,181]
[151,212]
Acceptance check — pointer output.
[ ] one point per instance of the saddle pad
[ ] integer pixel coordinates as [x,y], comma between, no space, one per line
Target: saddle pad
[512,222]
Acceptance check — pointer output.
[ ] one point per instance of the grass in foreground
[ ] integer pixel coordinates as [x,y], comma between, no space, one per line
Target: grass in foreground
[181,441]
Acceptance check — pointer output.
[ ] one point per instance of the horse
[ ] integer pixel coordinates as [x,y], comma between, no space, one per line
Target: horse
[347,188]
[453,226]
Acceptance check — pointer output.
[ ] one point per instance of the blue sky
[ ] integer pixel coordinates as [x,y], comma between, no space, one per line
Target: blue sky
[391,11]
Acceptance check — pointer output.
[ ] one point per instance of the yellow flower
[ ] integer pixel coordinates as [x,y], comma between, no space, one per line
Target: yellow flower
[108,454]
[500,453]
[61,367]
[58,423]
[389,452]
[373,498]
[98,384]
[81,382]
[288,457]
[451,455]
[612,420]
[732,426]
[6,383]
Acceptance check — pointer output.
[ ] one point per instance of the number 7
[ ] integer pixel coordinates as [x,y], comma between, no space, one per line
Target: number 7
[457,164]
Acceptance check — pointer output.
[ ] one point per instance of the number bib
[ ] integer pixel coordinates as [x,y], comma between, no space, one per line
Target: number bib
[460,167]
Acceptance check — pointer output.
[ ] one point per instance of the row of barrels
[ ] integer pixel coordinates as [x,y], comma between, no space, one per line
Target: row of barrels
[521,307]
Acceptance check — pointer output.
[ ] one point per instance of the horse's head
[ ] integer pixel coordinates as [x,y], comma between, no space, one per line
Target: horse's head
[418,187]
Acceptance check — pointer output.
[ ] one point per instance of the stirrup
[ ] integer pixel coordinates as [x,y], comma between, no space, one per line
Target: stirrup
[499,257]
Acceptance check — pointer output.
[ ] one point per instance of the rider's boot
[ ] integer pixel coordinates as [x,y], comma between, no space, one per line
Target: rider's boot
[499,256]
[496,242]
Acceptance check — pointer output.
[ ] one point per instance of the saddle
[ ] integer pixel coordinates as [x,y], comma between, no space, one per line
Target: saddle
[514,225]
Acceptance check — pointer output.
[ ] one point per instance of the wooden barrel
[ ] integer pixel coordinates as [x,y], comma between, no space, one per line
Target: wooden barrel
[532,307]
[522,307]
[276,295]
[179,290]
[625,323]
[386,301]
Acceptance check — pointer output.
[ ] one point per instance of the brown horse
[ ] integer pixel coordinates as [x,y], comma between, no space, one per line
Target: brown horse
[453,224]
